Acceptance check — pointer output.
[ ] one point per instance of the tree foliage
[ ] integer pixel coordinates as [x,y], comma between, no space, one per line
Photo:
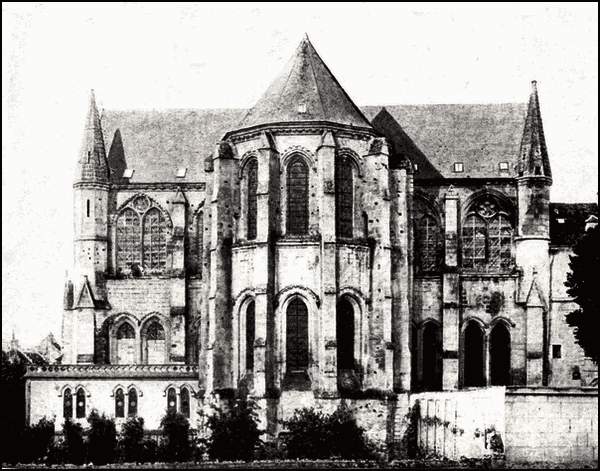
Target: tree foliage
[582,285]
[176,431]
[102,439]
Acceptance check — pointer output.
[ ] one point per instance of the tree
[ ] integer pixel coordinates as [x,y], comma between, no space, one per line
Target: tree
[176,428]
[102,439]
[12,414]
[582,286]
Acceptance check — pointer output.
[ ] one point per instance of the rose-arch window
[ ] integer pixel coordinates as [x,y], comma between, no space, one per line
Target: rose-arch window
[487,237]
[252,199]
[142,230]
[344,189]
[297,197]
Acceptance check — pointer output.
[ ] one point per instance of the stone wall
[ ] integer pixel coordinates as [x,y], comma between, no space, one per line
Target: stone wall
[551,425]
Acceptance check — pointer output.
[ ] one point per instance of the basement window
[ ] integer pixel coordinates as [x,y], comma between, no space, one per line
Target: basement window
[181,171]
[128,173]
[556,351]
[503,166]
[459,167]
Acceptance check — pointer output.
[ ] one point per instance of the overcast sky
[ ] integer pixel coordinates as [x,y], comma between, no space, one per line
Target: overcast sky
[215,56]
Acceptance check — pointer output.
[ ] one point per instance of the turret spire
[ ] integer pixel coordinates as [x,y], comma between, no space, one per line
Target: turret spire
[534,159]
[93,166]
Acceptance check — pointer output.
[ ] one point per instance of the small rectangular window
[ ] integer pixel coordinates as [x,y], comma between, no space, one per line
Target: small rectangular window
[459,167]
[503,166]
[416,166]
[302,108]
[128,173]
[556,351]
[181,171]
[560,220]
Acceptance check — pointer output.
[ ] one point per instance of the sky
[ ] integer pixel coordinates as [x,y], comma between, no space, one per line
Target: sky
[157,56]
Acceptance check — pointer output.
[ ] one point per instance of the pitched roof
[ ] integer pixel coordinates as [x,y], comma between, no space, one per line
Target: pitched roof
[567,221]
[305,91]
[155,143]
[479,136]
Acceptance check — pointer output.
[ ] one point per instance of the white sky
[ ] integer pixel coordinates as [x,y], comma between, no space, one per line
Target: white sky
[218,56]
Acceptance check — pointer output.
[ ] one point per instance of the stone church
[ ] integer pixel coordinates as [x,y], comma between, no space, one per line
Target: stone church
[309,249]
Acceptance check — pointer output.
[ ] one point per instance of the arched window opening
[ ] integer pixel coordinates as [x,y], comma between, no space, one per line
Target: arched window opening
[125,344]
[129,240]
[250,333]
[487,237]
[344,193]
[200,238]
[154,240]
[345,335]
[132,403]
[474,374]
[67,404]
[171,400]
[432,357]
[154,343]
[87,207]
[500,355]
[252,198]
[297,197]
[296,337]
[119,403]
[184,398]
[427,244]
[80,405]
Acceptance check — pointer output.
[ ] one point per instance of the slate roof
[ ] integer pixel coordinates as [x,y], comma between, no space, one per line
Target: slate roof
[567,221]
[308,83]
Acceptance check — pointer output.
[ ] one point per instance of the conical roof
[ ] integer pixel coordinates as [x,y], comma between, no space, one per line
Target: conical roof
[93,165]
[306,91]
[534,153]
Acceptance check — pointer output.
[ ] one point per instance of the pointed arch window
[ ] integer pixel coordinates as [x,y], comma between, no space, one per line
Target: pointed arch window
[125,344]
[132,403]
[141,245]
[250,333]
[487,237]
[119,403]
[297,197]
[427,244]
[171,400]
[80,404]
[184,399]
[67,404]
[296,337]
[344,194]
[251,210]
[154,344]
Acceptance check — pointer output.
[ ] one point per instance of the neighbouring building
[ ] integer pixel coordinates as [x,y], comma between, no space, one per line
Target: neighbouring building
[309,248]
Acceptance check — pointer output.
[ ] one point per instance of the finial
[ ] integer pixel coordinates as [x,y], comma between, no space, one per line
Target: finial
[534,86]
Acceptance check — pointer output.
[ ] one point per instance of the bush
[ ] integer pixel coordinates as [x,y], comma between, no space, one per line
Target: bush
[39,439]
[132,439]
[175,428]
[234,433]
[102,439]
[73,446]
[314,435]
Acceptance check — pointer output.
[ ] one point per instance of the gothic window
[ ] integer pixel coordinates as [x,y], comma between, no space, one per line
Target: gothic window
[132,403]
[473,355]
[344,190]
[154,241]
[345,335]
[431,351]
[154,343]
[67,404]
[184,399]
[252,176]
[427,244]
[487,238]
[128,239]
[500,355]
[250,332]
[171,400]
[296,337]
[125,344]
[80,404]
[297,197]
[119,403]
[141,244]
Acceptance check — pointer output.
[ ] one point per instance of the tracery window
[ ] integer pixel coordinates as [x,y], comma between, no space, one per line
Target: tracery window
[132,403]
[171,400]
[119,403]
[67,404]
[297,197]
[487,238]
[141,244]
[184,399]
[344,193]
[125,344]
[252,182]
[80,404]
[154,343]
[427,244]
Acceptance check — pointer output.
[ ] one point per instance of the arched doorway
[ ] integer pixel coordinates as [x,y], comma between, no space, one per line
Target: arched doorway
[500,355]
[474,374]
[296,347]
[432,357]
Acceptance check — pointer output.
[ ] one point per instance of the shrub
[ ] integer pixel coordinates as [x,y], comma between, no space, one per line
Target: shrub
[73,446]
[314,435]
[234,433]
[102,439]
[39,439]
[175,428]
[410,444]
[131,441]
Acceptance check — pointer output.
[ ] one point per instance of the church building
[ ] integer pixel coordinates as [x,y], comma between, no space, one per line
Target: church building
[311,250]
